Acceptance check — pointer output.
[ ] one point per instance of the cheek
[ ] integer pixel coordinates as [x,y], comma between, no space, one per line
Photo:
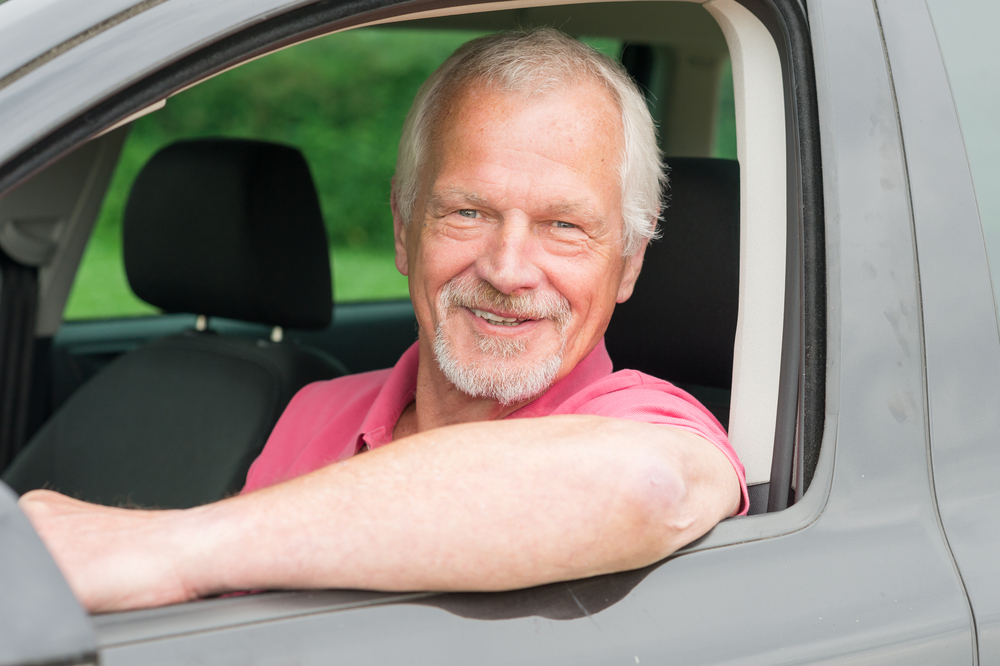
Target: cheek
[439,260]
[589,275]
[592,292]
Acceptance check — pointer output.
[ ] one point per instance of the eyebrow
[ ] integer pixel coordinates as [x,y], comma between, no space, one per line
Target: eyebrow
[440,199]
[437,200]
[578,209]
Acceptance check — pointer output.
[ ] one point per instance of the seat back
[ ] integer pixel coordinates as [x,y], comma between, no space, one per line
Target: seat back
[229,228]
[217,228]
[680,323]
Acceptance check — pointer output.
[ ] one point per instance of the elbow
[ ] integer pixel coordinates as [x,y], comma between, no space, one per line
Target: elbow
[664,517]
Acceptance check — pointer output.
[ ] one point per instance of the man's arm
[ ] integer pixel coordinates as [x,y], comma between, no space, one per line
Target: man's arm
[479,506]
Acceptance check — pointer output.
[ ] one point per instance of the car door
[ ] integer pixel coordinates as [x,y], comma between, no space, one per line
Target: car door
[41,621]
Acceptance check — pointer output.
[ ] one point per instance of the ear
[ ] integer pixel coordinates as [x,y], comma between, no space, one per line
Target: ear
[630,273]
[399,233]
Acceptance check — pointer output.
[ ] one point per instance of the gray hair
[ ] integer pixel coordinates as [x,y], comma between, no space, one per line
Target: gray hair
[533,63]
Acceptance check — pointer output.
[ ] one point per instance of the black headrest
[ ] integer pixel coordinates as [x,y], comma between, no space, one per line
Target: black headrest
[680,324]
[229,228]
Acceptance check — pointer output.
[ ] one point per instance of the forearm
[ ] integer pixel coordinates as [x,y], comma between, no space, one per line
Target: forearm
[471,507]
[481,506]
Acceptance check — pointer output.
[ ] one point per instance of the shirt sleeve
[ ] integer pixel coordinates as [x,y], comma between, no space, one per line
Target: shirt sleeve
[635,396]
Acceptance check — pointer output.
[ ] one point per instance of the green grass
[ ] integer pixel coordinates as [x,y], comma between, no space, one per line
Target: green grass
[101,289]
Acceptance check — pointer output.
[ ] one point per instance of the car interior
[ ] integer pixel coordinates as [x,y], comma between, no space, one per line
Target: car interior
[220,227]
[225,237]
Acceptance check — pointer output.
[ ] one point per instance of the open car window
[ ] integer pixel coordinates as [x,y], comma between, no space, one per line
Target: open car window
[341,100]
[714,82]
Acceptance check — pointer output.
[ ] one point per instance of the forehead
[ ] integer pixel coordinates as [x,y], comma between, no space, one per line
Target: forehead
[591,109]
[570,132]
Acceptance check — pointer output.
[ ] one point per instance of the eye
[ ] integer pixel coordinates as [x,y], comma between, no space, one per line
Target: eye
[469,213]
[559,224]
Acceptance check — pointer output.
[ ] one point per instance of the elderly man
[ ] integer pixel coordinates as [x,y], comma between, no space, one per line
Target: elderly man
[502,451]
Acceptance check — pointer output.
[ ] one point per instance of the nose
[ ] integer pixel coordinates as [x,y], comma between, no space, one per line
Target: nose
[508,261]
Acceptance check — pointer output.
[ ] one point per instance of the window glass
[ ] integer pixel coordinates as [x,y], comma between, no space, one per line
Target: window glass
[965,33]
[341,100]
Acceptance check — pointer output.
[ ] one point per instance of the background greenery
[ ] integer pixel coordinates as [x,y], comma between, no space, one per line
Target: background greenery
[725,122]
[341,100]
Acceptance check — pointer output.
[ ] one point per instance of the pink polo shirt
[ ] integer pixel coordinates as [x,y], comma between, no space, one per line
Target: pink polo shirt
[332,420]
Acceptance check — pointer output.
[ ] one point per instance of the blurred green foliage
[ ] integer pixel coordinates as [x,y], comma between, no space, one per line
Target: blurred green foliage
[725,120]
[341,100]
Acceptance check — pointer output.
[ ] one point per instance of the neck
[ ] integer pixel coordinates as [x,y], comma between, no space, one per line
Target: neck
[438,403]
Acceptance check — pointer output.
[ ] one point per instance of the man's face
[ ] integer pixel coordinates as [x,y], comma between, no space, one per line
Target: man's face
[514,253]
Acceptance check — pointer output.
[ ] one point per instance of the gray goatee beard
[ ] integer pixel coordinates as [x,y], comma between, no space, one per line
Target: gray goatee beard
[501,374]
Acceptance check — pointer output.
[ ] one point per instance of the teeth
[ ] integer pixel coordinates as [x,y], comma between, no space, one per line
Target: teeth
[497,319]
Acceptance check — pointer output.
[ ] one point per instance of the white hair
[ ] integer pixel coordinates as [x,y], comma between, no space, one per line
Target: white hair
[535,63]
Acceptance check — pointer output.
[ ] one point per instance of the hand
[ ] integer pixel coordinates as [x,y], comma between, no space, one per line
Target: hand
[112,558]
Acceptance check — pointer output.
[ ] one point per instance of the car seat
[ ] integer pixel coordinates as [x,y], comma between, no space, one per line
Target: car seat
[216,227]
[680,323]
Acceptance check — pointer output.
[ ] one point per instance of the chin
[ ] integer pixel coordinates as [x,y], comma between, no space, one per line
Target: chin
[497,368]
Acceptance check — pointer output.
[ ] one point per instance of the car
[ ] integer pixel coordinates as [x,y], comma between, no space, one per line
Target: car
[863,358]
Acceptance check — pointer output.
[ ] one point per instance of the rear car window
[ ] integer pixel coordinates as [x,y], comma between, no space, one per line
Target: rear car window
[966,36]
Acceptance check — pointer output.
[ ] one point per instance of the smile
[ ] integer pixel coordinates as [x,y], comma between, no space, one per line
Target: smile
[497,319]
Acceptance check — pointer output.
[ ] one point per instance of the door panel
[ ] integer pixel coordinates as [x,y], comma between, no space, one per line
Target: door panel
[962,347]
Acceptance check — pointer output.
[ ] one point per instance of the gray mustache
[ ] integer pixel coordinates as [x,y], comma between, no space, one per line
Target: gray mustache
[473,293]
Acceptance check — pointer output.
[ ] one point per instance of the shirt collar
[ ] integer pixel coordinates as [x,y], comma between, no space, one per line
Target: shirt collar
[401,386]
[596,365]
[397,392]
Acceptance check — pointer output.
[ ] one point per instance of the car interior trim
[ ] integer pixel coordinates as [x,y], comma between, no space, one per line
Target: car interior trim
[760,132]
[802,392]
[806,209]
[65,221]
[155,106]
